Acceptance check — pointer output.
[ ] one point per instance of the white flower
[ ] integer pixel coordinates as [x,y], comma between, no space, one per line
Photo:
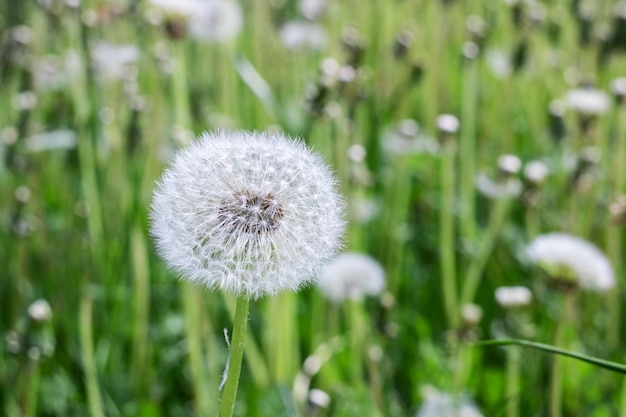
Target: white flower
[352,276]
[312,9]
[536,171]
[499,63]
[206,20]
[513,297]
[112,61]
[588,101]
[247,213]
[507,188]
[217,21]
[438,404]
[566,256]
[405,138]
[180,8]
[40,311]
[295,35]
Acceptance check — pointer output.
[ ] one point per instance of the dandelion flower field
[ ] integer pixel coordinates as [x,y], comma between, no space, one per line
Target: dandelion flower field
[480,149]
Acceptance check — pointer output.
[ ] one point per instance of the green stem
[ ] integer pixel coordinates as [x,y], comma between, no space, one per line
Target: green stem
[476,267]
[89,364]
[467,150]
[446,234]
[236,354]
[513,382]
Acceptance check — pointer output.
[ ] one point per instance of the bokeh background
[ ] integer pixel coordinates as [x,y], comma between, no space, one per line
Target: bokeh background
[97,95]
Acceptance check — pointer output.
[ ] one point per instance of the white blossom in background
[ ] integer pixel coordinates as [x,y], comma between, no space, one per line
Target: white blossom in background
[253,214]
[206,20]
[498,63]
[299,35]
[61,139]
[536,171]
[406,138]
[40,311]
[513,297]
[218,21]
[178,8]
[351,276]
[439,404]
[588,101]
[506,188]
[312,9]
[113,61]
[568,257]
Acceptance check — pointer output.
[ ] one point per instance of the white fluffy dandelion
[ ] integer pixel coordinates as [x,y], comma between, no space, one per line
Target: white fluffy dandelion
[352,276]
[300,35]
[247,213]
[568,257]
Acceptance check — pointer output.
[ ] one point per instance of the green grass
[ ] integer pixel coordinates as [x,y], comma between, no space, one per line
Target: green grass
[131,340]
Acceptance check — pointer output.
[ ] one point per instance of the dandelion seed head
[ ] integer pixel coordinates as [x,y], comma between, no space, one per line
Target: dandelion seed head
[248,213]
[40,311]
[352,276]
[509,164]
[508,188]
[298,35]
[513,297]
[568,257]
[588,101]
[536,171]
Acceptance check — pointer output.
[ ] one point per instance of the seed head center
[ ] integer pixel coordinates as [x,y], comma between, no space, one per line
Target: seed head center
[250,213]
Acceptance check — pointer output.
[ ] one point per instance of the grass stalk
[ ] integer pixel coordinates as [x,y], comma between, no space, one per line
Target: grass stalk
[446,234]
[487,243]
[85,325]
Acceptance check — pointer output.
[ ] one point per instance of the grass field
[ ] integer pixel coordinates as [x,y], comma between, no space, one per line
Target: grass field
[97,96]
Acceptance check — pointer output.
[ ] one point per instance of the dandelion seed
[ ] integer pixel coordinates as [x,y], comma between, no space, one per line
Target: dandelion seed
[352,276]
[253,214]
[571,259]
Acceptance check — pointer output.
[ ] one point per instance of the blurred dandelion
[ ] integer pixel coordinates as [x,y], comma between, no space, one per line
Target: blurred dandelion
[113,61]
[572,260]
[439,404]
[352,276]
[513,297]
[298,35]
[588,101]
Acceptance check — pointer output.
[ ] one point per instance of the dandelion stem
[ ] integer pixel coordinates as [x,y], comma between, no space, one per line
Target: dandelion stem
[236,355]
[446,235]
[512,382]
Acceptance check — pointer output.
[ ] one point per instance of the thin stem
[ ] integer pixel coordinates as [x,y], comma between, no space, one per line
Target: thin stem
[89,364]
[475,270]
[513,382]
[467,150]
[236,355]
[446,235]
[601,363]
